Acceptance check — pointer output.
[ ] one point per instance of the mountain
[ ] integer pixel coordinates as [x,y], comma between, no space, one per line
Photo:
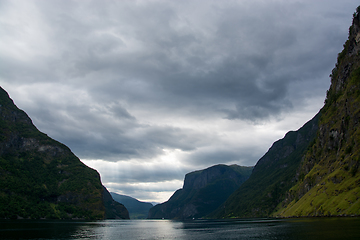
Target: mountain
[136,208]
[203,191]
[328,179]
[42,178]
[315,170]
[113,209]
[272,176]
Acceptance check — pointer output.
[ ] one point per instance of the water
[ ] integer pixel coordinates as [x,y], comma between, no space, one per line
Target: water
[309,229]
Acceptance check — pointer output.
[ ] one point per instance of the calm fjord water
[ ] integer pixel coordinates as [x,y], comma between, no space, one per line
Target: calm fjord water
[309,229]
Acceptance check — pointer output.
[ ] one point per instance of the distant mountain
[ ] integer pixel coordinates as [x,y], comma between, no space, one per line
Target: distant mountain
[42,178]
[136,208]
[314,171]
[202,193]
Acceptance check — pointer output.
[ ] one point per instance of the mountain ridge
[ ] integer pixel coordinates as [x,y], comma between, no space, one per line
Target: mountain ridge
[137,209]
[41,178]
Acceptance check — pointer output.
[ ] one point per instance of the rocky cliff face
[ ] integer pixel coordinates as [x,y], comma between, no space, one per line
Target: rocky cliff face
[200,179]
[203,192]
[40,177]
[329,179]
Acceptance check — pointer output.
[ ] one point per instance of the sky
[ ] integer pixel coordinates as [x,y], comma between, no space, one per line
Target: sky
[147,91]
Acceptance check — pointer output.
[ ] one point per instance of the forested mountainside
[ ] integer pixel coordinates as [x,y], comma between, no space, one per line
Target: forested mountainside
[203,191]
[42,178]
[324,178]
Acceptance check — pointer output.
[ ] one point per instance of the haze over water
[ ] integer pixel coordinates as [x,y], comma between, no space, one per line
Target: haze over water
[312,228]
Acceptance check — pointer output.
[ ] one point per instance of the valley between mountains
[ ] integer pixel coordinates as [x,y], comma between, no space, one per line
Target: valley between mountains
[311,172]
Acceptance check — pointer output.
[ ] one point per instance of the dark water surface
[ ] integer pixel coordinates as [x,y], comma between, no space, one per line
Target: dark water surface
[309,229]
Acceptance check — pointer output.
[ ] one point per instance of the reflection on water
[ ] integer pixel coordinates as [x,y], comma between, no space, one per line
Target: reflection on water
[309,229]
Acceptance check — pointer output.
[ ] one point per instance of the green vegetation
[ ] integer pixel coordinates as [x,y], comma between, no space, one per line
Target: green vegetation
[330,185]
[40,177]
[336,195]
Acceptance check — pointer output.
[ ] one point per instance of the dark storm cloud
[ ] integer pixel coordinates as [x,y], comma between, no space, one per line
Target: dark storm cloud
[244,61]
[110,132]
[240,60]
[125,80]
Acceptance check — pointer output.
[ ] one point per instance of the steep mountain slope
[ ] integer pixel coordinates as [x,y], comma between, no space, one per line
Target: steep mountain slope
[136,208]
[202,193]
[320,175]
[113,209]
[329,179]
[271,178]
[42,178]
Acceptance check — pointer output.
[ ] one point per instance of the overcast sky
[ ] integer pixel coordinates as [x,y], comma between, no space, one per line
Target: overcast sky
[147,91]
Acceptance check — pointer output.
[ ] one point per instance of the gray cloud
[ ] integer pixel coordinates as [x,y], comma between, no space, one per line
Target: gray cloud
[233,61]
[110,132]
[145,174]
[124,80]
[218,155]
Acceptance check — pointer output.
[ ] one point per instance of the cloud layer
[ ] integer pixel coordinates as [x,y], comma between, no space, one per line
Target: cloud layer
[161,88]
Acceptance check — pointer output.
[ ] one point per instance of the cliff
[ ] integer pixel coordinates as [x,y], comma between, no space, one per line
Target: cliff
[42,178]
[203,191]
[328,178]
